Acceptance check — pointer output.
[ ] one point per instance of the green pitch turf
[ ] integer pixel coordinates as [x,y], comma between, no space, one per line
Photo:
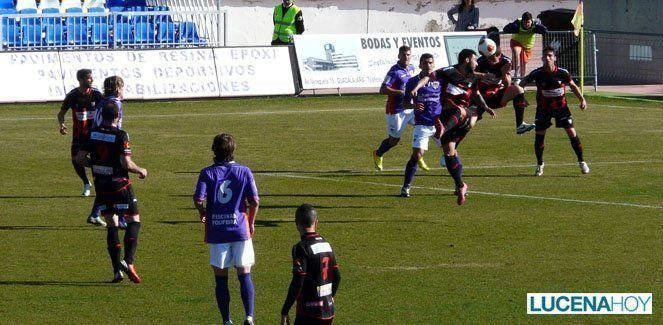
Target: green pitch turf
[422,260]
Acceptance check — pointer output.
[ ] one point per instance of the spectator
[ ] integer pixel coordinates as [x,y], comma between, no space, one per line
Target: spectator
[468,16]
[523,41]
[288,20]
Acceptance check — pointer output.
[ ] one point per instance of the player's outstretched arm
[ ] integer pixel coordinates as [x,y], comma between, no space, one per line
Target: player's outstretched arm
[200,205]
[129,165]
[482,103]
[576,91]
[293,291]
[386,90]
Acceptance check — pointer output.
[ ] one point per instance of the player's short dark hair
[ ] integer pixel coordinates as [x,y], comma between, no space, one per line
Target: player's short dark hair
[113,85]
[526,16]
[404,49]
[82,73]
[306,215]
[110,111]
[425,56]
[224,147]
[466,53]
[549,49]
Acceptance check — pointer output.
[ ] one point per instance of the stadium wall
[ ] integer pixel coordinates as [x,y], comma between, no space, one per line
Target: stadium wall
[250,21]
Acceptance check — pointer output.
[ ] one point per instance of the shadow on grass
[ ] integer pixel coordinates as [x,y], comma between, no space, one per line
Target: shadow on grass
[317,195]
[42,196]
[67,228]
[57,283]
[276,223]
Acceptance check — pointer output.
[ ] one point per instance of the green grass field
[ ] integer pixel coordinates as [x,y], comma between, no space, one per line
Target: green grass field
[422,260]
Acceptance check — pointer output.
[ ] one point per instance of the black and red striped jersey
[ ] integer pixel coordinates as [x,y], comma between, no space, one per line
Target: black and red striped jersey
[82,110]
[313,258]
[498,69]
[457,89]
[550,87]
[106,146]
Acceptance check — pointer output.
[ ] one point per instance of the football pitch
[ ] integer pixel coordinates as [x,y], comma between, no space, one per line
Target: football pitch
[417,260]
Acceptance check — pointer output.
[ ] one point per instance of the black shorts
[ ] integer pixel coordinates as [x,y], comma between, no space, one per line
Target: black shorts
[122,203]
[457,134]
[307,320]
[562,116]
[76,146]
[495,101]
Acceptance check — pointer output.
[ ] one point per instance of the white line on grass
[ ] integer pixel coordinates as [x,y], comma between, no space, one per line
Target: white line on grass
[302,111]
[520,196]
[547,164]
[436,266]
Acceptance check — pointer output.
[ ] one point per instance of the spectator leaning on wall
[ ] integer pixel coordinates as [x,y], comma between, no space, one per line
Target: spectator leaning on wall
[288,21]
[468,16]
[522,41]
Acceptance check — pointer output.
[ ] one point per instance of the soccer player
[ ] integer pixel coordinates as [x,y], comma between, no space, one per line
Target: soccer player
[315,274]
[396,115]
[223,192]
[110,157]
[496,88]
[427,108]
[460,89]
[81,100]
[113,92]
[551,82]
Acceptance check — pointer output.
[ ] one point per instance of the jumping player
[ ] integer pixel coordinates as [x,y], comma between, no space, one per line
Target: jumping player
[496,88]
[110,157]
[551,82]
[396,115]
[222,193]
[315,274]
[427,108]
[81,100]
[460,89]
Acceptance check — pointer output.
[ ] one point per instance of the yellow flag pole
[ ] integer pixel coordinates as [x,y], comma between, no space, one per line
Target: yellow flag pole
[581,59]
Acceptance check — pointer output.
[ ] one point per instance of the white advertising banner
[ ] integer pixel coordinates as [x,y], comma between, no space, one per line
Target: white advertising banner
[254,71]
[148,74]
[362,60]
[30,77]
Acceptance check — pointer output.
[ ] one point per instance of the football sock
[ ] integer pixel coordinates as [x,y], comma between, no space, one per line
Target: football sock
[577,147]
[384,147]
[114,246]
[410,171]
[455,169]
[131,241]
[96,210]
[519,104]
[223,296]
[80,171]
[538,148]
[248,294]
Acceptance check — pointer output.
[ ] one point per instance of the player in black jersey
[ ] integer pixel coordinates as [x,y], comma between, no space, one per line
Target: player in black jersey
[81,100]
[315,274]
[110,158]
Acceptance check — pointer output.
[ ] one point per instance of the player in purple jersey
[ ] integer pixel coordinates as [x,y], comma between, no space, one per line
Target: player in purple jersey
[315,274]
[110,158]
[225,192]
[427,108]
[397,116]
[81,100]
[551,82]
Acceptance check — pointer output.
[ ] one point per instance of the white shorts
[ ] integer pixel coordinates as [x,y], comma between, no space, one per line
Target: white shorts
[396,123]
[237,254]
[421,135]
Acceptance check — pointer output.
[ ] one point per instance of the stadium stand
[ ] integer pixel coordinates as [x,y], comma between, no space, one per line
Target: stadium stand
[66,4]
[49,4]
[22,5]
[92,4]
[7,4]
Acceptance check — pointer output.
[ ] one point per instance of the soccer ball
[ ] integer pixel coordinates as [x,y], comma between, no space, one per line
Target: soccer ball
[487,47]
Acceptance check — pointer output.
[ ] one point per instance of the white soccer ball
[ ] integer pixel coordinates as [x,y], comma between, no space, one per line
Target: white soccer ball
[487,47]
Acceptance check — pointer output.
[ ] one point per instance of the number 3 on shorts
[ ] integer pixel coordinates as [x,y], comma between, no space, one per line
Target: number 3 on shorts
[225,193]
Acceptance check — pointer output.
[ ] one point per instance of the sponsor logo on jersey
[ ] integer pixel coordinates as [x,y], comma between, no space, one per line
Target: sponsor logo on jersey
[105,137]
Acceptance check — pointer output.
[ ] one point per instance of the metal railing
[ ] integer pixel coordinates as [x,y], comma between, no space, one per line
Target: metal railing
[566,45]
[629,58]
[118,30]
